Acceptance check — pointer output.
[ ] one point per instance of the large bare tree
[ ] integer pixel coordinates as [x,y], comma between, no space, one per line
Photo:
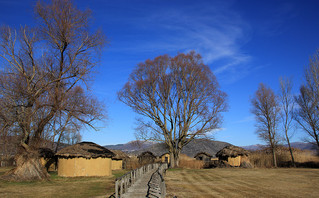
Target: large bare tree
[307,115]
[179,97]
[287,111]
[266,109]
[45,70]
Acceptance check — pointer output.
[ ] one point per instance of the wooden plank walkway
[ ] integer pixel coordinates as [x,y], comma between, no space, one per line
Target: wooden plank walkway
[140,187]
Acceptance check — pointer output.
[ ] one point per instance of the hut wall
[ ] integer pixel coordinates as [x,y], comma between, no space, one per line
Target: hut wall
[234,161]
[165,158]
[74,167]
[117,164]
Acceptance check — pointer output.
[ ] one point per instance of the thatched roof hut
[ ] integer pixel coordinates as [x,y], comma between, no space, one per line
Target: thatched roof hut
[165,157]
[119,160]
[232,151]
[203,156]
[84,159]
[146,157]
[232,155]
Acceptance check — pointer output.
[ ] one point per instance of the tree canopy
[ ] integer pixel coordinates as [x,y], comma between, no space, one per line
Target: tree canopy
[178,97]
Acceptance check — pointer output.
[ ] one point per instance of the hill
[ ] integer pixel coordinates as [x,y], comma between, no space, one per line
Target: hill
[130,146]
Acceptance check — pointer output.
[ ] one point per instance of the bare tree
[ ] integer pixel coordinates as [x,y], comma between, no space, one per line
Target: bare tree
[179,97]
[307,115]
[287,105]
[45,68]
[266,109]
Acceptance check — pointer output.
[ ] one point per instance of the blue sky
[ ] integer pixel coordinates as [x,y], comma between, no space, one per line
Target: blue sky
[244,43]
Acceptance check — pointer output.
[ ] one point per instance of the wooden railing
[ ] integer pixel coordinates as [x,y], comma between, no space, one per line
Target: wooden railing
[156,185]
[123,183]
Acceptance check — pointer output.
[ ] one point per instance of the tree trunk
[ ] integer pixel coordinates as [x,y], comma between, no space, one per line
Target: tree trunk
[29,168]
[274,156]
[291,154]
[174,159]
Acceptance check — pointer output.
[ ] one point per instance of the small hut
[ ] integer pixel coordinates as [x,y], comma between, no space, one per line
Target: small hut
[165,158]
[146,157]
[119,160]
[202,156]
[47,158]
[84,159]
[232,155]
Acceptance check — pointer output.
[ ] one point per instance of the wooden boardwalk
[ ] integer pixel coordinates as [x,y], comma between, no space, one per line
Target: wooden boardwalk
[140,187]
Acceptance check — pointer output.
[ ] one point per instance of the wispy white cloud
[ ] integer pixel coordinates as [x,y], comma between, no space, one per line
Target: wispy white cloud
[214,131]
[215,31]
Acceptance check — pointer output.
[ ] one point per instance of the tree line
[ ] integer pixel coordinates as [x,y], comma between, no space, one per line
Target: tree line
[277,115]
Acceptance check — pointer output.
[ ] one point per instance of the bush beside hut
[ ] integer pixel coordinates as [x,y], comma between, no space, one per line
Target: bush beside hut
[84,159]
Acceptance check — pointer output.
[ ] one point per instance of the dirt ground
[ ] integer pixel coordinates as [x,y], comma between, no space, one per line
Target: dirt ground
[238,182]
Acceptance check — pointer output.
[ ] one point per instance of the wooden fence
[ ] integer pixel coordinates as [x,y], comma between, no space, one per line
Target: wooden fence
[156,185]
[123,183]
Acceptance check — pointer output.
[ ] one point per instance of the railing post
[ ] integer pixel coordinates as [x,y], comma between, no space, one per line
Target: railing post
[121,188]
[117,189]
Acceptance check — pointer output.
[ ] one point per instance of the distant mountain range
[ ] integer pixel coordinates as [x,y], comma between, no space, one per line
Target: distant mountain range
[194,147]
[191,149]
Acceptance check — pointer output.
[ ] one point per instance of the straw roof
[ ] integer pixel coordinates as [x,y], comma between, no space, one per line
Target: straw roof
[232,151]
[86,150]
[149,153]
[164,154]
[202,153]
[119,155]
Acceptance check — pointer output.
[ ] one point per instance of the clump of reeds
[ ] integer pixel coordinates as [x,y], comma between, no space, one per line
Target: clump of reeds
[191,164]
[303,158]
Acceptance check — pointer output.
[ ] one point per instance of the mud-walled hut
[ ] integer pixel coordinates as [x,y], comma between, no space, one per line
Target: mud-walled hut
[165,158]
[84,159]
[146,157]
[202,156]
[232,155]
[119,160]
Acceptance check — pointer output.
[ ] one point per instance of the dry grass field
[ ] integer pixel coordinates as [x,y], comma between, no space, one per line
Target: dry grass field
[60,186]
[239,182]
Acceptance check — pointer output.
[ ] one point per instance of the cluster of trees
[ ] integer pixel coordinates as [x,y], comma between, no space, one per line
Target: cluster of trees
[283,111]
[43,93]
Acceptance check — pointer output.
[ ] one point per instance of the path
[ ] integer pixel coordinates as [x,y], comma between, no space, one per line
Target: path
[140,187]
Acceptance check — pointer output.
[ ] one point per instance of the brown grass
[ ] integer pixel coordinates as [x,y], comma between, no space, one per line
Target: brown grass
[60,186]
[303,158]
[190,163]
[238,182]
